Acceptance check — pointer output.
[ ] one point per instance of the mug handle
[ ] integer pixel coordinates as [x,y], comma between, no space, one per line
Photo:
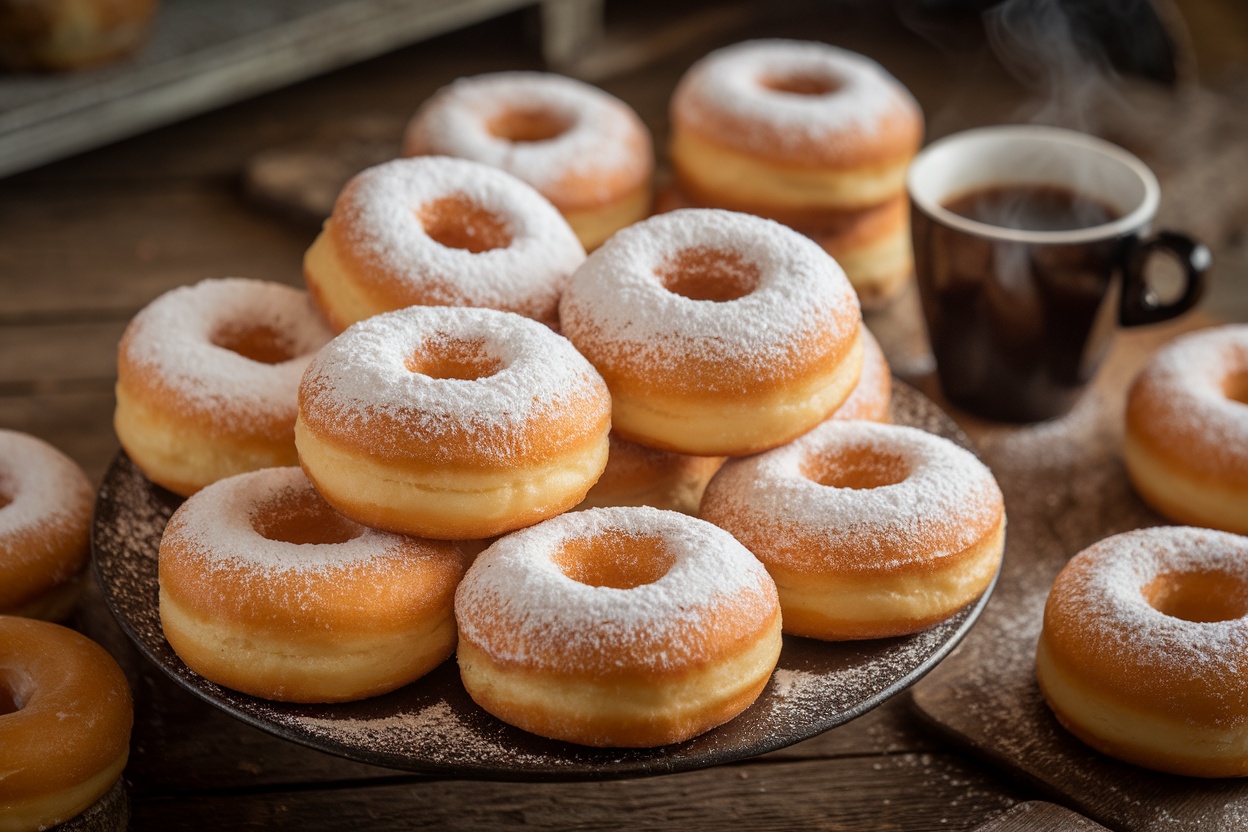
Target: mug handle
[1139,304]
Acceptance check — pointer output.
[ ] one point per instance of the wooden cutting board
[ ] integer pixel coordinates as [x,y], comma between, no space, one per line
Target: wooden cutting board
[1038,816]
[1065,488]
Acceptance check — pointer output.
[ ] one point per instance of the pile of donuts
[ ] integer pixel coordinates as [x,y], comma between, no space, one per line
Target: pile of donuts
[381,472]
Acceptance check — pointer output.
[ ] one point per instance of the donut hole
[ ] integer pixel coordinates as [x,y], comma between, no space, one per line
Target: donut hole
[454,358]
[303,517]
[1236,387]
[259,343]
[614,559]
[10,703]
[803,83]
[709,274]
[857,468]
[529,125]
[1201,597]
[456,221]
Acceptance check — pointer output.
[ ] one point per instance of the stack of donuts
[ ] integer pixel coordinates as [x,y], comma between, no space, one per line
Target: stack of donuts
[461,375]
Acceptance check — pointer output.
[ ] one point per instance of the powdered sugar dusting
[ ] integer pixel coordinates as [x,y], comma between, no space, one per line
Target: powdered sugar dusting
[517,605]
[171,340]
[731,81]
[362,377]
[1101,592]
[1183,403]
[947,501]
[46,493]
[604,141]
[617,309]
[216,525]
[870,396]
[377,218]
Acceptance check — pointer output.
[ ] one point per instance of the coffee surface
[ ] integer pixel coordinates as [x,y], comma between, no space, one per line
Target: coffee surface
[1032,207]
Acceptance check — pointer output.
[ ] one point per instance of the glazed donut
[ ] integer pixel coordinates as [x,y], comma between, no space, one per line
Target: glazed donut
[869,530]
[873,393]
[872,245]
[435,231]
[266,590]
[1186,445]
[45,523]
[451,422]
[629,627]
[793,130]
[207,377]
[718,334]
[639,476]
[1142,651]
[65,719]
[60,35]
[584,150]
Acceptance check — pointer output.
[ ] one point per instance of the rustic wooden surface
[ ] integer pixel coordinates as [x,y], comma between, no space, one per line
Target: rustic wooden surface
[87,242]
[1038,816]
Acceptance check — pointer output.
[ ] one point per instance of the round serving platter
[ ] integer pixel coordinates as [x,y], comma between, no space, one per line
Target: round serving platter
[432,726]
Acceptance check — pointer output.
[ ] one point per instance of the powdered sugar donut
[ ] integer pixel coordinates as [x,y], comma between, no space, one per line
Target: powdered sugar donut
[869,530]
[584,150]
[440,232]
[617,627]
[451,422]
[1187,430]
[1145,646]
[873,393]
[639,476]
[719,334]
[792,130]
[266,590]
[206,380]
[45,522]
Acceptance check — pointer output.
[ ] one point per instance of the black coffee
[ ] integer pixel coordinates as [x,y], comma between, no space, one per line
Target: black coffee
[1032,208]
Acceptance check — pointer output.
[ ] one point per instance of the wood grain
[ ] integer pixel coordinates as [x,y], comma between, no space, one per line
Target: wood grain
[1038,816]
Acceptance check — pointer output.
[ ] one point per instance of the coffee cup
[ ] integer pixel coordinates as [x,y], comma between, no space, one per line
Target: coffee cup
[1031,247]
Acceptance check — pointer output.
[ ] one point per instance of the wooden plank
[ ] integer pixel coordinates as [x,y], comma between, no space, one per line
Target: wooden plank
[52,358]
[68,257]
[1038,816]
[900,792]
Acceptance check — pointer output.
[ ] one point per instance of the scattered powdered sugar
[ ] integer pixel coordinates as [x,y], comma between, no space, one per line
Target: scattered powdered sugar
[361,380]
[42,491]
[947,501]
[377,217]
[171,340]
[732,81]
[1181,400]
[604,140]
[1101,594]
[216,525]
[517,605]
[617,309]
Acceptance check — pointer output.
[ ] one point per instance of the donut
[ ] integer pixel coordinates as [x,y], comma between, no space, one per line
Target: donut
[1144,650]
[267,590]
[639,476]
[581,148]
[872,245]
[45,525]
[1186,444]
[873,393]
[452,422]
[718,333]
[207,377]
[59,35]
[435,231]
[793,130]
[869,530]
[622,627]
[65,719]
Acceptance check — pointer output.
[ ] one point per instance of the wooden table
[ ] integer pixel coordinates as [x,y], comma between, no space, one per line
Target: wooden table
[87,242]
